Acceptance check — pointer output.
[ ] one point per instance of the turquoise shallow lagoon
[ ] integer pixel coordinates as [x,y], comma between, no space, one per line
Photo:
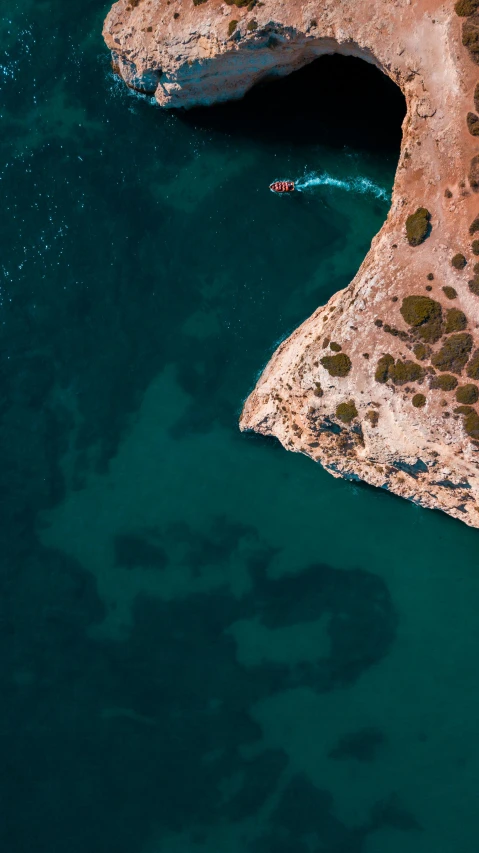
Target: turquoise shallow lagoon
[207,645]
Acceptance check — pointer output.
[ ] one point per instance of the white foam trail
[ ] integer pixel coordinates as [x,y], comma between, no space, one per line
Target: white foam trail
[358,185]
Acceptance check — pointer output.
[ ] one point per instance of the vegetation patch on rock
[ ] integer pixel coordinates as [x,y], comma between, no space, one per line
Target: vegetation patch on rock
[458,261]
[424,315]
[346,412]
[232,26]
[337,365]
[382,368]
[418,401]
[399,372]
[473,366]
[473,124]
[475,247]
[456,320]
[467,394]
[449,292]
[405,371]
[473,285]
[474,164]
[421,351]
[373,417]
[443,382]
[474,226]
[470,36]
[464,8]
[335,347]
[454,354]
[417,226]
[471,424]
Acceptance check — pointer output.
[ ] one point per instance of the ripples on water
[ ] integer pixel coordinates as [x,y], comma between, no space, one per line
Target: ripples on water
[207,644]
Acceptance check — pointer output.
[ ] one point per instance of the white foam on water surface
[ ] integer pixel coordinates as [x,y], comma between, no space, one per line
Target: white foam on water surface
[358,184]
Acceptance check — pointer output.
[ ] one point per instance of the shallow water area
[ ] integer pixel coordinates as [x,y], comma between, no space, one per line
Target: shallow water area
[207,644]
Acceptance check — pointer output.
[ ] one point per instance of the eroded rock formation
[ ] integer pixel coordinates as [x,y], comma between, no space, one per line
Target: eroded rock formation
[381,383]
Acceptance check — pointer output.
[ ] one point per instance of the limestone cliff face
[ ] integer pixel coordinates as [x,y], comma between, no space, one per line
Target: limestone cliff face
[372,385]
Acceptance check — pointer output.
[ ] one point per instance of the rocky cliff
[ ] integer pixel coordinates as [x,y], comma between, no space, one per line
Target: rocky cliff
[382,383]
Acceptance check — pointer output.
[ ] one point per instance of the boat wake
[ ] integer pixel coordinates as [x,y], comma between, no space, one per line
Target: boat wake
[357,185]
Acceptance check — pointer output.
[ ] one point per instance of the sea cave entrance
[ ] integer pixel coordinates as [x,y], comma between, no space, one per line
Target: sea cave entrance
[335,100]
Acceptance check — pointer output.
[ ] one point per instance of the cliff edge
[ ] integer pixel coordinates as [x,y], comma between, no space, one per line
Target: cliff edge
[382,383]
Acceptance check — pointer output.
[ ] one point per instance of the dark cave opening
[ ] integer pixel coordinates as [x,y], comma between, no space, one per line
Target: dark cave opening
[335,100]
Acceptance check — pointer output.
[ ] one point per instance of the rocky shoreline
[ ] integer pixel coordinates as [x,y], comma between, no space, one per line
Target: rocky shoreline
[381,384]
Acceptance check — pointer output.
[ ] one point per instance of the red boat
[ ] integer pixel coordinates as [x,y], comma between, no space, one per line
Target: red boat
[282,186]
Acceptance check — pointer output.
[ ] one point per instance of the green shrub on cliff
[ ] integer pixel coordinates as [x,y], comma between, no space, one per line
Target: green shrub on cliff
[463,410]
[458,261]
[467,394]
[464,8]
[418,401]
[474,164]
[231,27]
[475,247]
[424,315]
[382,368]
[472,124]
[473,285]
[252,26]
[335,347]
[456,321]
[454,353]
[346,412]
[474,226]
[470,37]
[421,351]
[337,365]
[398,372]
[473,366]
[471,424]
[417,226]
[405,371]
[373,417]
[449,292]
[443,382]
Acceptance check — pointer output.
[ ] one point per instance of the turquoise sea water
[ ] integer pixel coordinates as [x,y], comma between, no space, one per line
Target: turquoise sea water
[207,645]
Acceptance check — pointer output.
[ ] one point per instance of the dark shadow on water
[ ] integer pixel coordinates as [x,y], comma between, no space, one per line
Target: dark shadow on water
[269,442]
[145,736]
[335,100]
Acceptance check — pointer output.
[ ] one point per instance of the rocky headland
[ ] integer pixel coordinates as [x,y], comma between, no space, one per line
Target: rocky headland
[382,383]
